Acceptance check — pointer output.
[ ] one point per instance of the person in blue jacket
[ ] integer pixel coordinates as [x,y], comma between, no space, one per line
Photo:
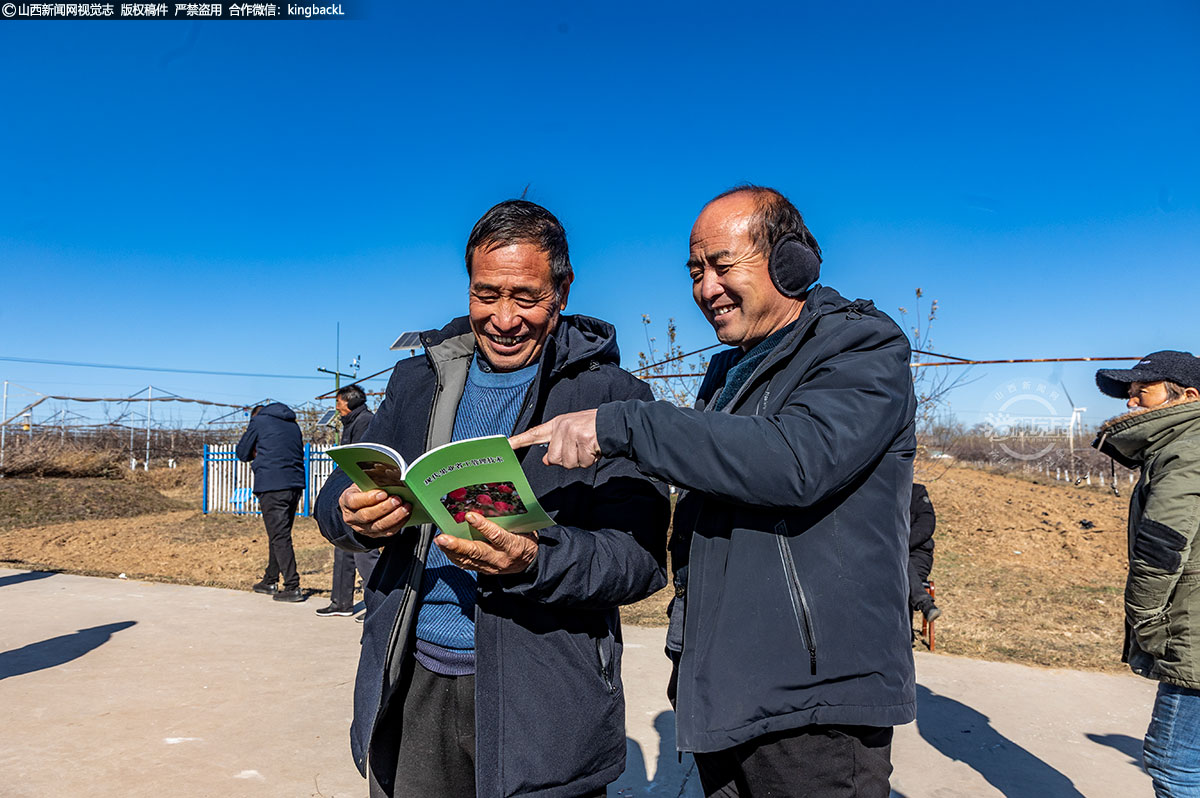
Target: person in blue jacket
[493,668]
[790,627]
[274,447]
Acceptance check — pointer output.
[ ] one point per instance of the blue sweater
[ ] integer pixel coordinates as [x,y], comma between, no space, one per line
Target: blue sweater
[490,405]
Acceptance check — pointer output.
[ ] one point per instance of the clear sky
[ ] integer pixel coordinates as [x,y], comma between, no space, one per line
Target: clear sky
[217,196]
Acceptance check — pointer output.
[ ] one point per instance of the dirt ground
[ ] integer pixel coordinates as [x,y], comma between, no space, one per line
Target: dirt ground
[1027,571]
[1017,574]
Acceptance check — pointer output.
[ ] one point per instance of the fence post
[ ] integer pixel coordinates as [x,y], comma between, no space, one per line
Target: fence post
[206,479]
[307,475]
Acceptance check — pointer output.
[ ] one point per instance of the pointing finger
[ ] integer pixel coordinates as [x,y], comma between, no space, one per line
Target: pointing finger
[531,436]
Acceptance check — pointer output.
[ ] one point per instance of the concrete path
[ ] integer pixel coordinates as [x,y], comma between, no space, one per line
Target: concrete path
[118,688]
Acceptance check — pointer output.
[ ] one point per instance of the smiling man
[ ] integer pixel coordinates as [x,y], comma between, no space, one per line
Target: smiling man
[492,668]
[790,629]
[1161,435]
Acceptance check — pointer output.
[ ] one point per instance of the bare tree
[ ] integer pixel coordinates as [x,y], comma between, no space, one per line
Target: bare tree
[673,375]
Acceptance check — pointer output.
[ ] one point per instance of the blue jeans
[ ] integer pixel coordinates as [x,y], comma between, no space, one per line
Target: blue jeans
[1171,751]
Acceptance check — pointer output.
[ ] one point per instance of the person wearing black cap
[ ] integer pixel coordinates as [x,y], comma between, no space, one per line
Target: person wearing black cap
[790,630]
[1161,435]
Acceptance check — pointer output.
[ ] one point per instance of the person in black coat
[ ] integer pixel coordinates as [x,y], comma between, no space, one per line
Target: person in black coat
[790,630]
[274,447]
[351,405]
[492,668]
[922,521]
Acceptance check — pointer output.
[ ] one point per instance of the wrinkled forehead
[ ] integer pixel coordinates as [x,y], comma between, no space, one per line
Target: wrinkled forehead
[721,226]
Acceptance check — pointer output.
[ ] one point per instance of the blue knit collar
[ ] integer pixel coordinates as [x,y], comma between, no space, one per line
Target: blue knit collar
[483,377]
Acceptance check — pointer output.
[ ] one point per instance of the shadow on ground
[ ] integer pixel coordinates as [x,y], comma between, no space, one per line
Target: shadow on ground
[670,776]
[1130,746]
[57,650]
[966,735]
[28,576]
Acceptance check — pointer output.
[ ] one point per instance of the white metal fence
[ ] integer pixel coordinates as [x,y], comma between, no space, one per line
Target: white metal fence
[229,483]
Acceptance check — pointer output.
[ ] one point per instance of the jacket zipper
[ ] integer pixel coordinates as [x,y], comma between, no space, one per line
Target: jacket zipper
[799,602]
[605,664]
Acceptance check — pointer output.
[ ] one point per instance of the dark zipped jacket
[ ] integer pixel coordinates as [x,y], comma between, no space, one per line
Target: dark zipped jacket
[274,447]
[793,530]
[355,424]
[1162,592]
[922,522]
[549,703]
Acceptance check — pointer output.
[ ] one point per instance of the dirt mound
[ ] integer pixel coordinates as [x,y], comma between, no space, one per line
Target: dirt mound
[1024,571]
[28,503]
[1029,571]
[182,546]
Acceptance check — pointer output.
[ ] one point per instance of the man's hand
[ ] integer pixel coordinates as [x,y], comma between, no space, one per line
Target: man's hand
[571,438]
[374,514]
[501,551]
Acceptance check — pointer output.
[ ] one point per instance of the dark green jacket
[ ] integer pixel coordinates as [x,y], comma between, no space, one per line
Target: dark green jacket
[1162,594]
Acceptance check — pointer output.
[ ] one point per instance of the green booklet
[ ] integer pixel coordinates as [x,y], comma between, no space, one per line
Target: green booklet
[479,475]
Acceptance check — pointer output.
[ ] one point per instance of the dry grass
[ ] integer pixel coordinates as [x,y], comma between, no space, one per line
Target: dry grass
[49,457]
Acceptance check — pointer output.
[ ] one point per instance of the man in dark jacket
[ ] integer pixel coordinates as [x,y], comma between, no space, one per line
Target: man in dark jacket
[274,447]
[792,656]
[492,668]
[351,405]
[922,521]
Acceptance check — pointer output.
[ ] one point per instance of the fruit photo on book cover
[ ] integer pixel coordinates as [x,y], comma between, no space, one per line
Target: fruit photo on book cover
[491,500]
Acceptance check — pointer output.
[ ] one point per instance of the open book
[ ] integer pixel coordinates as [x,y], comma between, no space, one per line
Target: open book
[479,475]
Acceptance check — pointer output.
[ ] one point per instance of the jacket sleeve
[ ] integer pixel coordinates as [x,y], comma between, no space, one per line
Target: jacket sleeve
[328,512]
[1162,544]
[921,519]
[618,556]
[845,414]
[245,446]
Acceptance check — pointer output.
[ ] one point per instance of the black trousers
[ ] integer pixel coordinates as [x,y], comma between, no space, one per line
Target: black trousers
[345,565]
[279,512]
[436,754]
[809,762]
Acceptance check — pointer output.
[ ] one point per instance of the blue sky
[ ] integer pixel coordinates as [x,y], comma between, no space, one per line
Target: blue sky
[217,196]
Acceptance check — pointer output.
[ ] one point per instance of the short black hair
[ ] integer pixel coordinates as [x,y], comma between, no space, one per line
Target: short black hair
[353,396]
[775,217]
[520,221]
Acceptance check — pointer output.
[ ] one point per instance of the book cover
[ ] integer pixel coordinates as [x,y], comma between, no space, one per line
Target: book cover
[481,475]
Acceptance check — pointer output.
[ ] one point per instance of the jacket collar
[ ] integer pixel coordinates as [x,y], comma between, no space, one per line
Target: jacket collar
[822,301]
[350,417]
[1132,437]
[576,340]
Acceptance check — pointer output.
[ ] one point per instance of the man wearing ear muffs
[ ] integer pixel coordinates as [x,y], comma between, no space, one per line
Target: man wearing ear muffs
[790,628]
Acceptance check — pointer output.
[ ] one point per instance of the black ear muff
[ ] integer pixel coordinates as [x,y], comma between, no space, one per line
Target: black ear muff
[793,266]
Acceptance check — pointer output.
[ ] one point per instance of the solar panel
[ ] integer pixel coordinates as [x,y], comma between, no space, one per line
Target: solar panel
[408,340]
[327,418]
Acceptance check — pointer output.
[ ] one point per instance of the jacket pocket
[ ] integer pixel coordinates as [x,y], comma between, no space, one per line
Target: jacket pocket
[1158,545]
[606,657]
[796,593]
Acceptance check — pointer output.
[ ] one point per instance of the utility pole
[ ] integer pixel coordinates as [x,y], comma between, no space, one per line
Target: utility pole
[3,425]
[149,405]
[337,375]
